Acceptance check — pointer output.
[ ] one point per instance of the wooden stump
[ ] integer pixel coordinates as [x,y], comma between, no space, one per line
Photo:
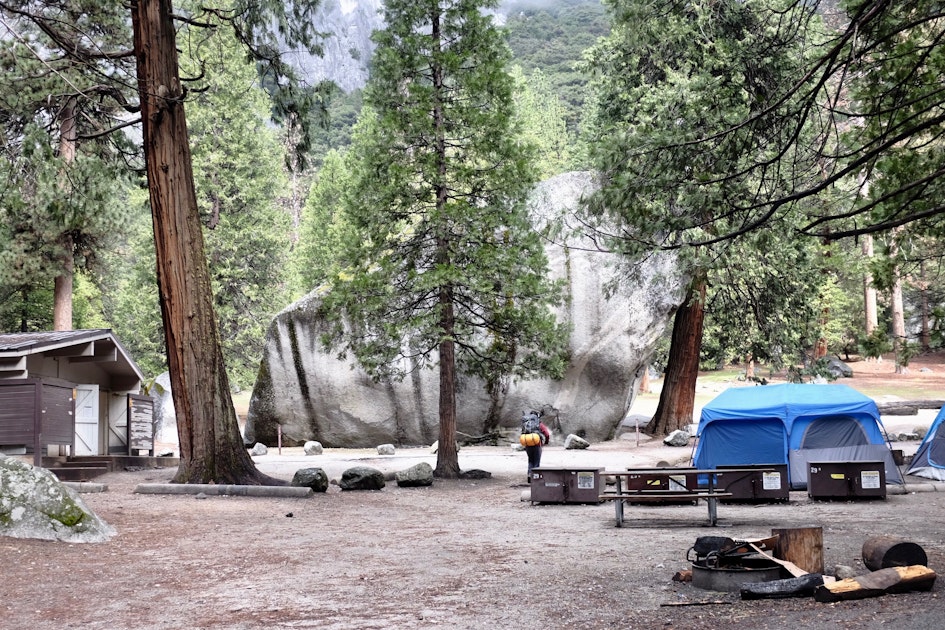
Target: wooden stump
[882,552]
[804,546]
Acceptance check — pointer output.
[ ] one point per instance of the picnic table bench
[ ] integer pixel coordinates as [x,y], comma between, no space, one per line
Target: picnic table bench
[666,485]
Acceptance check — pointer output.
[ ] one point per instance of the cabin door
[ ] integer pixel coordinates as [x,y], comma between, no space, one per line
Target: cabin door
[86,420]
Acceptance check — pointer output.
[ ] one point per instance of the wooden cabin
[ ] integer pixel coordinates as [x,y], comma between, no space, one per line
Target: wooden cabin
[75,393]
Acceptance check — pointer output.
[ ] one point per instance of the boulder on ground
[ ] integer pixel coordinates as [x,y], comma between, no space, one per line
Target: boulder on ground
[310,393]
[314,478]
[677,438]
[35,504]
[573,442]
[415,476]
[362,478]
[259,449]
[385,449]
[312,448]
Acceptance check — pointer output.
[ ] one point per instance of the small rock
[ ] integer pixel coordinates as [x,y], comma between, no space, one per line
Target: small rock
[843,572]
[312,448]
[573,442]
[677,438]
[385,449]
[259,449]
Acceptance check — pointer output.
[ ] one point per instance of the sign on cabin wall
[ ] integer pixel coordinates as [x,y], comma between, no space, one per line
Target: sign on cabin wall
[140,424]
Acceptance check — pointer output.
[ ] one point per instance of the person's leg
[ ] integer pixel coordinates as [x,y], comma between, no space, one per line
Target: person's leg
[534,459]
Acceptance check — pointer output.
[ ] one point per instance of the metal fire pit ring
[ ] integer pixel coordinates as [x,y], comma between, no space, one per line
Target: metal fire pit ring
[731,577]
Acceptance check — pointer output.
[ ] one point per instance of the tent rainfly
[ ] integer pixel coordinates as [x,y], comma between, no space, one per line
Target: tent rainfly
[792,424]
[929,460]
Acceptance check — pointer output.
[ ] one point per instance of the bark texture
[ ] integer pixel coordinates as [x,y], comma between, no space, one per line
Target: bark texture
[211,447]
[678,397]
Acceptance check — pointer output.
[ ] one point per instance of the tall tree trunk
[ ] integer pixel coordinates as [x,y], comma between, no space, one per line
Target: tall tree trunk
[925,334]
[678,397]
[62,285]
[869,292]
[897,311]
[897,314]
[211,447]
[447,455]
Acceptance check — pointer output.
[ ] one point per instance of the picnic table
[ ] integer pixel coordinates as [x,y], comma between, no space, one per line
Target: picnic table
[667,485]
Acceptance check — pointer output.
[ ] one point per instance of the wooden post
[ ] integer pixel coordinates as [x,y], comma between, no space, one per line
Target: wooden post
[804,546]
[882,552]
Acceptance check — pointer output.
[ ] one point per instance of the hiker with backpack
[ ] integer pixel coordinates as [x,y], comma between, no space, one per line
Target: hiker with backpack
[534,435]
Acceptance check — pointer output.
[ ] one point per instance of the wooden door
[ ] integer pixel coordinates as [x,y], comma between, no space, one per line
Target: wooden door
[86,420]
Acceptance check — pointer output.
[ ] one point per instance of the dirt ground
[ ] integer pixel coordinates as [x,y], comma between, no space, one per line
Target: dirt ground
[460,554]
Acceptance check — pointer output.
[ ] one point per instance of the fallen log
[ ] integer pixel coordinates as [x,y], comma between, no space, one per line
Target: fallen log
[713,602]
[891,580]
[802,586]
[909,407]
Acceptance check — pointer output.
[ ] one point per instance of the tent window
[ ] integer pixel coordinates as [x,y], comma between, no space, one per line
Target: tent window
[937,447]
[833,431]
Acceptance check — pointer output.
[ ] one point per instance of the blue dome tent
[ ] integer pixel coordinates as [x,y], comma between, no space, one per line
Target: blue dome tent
[792,424]
[929,460]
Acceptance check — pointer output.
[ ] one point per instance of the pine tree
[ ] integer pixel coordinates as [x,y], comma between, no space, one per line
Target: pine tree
[673,79]
[445,268]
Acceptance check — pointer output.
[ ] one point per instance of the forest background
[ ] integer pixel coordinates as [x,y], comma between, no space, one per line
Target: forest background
[272,231]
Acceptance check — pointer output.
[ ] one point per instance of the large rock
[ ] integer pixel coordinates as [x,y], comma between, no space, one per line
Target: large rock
[362,478]
[416,476]
[315,396]
[35,504]
[314,478]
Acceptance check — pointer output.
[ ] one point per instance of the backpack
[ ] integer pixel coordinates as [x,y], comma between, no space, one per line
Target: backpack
[531,424]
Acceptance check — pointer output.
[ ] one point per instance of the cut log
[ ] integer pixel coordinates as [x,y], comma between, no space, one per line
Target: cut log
[887,409]
[882,552]
[803,586]
[804,546]
[792,568]
[891,580]
[898,409]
